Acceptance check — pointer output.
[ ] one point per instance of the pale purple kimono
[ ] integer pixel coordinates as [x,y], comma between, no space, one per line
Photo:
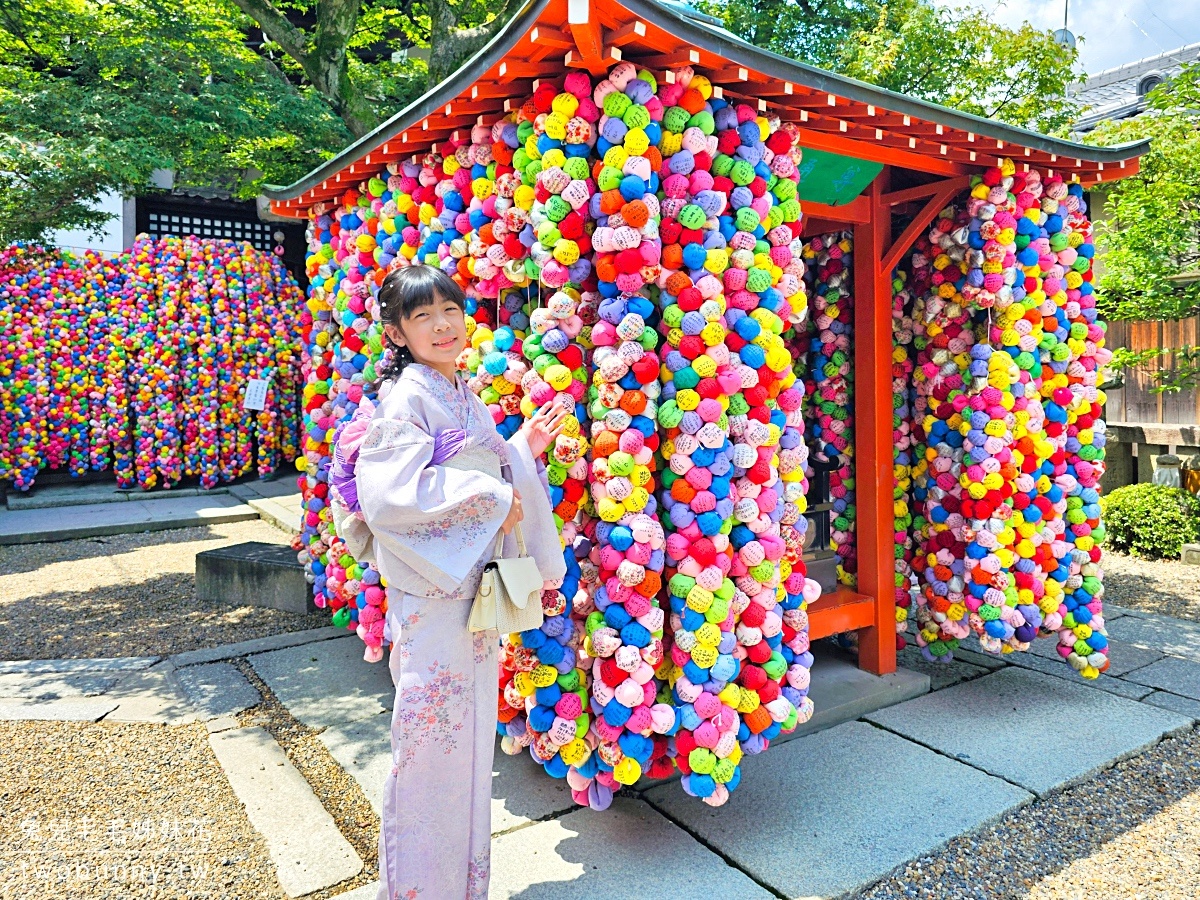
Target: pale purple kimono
[433,528]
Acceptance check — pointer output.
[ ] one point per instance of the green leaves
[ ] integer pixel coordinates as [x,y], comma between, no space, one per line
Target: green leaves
[1151,228]
[1150,520]
[948,55]
[95,96]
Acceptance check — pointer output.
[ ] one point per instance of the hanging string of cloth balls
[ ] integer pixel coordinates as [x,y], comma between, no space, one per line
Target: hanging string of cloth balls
[139,362]
[634,245]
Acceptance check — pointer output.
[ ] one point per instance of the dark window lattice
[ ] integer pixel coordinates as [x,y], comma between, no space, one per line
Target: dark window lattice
[259,234]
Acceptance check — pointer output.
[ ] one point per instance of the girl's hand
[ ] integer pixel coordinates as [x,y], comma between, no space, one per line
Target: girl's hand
[545,425]
[515,514]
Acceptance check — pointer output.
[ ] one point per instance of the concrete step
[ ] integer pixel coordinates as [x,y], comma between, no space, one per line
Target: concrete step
[32,526]
[309,852]
[89,493]
[277,501]
[282,512]
[256,574]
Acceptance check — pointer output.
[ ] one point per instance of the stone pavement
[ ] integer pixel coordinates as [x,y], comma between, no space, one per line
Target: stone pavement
[68,511]
[823,814]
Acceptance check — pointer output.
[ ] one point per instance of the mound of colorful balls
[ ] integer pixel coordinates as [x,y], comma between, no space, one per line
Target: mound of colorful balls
[140,362]
[1009,385]
[634,246]
[829,386]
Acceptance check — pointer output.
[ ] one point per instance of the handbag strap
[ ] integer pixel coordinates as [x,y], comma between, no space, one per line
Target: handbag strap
[521,551]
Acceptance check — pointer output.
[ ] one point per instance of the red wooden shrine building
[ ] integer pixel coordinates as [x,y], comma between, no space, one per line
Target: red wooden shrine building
[899,161]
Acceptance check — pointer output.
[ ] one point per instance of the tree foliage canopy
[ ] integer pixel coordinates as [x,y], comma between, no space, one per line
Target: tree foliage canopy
[95,95]
[1151,232]
[954,56]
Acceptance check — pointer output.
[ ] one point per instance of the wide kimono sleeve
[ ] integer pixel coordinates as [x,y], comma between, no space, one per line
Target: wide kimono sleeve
[541,535]
[436,520]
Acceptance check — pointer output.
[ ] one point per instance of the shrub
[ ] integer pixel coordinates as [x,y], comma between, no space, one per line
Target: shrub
[1150,520]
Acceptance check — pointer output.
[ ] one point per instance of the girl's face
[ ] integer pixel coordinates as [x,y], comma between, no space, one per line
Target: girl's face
[434,334]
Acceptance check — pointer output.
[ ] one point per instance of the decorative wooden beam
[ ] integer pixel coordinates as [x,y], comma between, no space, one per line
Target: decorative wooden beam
[589,37]
[508,72]
[877,152]
[856,212]
[626,34]
[488,91]
[921,191]
[943,193]
[841,611]
[551,37]
[689,57]
[597,66]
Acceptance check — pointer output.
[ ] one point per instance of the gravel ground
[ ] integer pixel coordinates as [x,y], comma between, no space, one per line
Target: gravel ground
[1165,586]
[1131,833]
[106,772]
[127,595]
[338,792]
[123,811]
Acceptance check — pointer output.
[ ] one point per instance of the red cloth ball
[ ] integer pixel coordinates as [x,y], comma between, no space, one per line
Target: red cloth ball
[752,677]
[691,346]
[610,674]
[703,552]
[628,262]
[759,653]
[754,615]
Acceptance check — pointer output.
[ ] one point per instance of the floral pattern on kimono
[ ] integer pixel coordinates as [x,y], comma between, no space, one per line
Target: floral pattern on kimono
[478,874]
[433,712]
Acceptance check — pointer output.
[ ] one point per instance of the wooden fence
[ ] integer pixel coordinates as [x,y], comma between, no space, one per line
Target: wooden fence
[1136,401]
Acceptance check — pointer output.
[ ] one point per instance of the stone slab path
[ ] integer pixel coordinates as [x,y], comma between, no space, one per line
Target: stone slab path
[629,851]
[306,846]
[304,680]
[67,511]
[1033,730]
[836,837]
[81,494]
[33,526]
[1002,731]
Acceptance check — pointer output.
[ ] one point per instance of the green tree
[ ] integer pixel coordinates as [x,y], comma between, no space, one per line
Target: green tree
[95,96]
[954,56]
[342,47]
[1150,234]
[811,31]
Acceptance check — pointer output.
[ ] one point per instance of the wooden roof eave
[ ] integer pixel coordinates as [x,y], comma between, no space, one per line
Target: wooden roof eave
[835,113]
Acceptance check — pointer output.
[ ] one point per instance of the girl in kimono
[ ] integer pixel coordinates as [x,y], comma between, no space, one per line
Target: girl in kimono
[437,487]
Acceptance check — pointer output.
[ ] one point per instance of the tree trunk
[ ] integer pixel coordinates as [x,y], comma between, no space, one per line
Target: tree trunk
[324,57]
[450,46]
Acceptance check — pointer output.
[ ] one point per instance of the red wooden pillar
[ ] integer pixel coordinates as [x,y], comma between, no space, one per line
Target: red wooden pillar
[873,429]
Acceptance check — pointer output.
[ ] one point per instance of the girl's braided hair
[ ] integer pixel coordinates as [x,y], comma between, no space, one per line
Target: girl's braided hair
[402,293]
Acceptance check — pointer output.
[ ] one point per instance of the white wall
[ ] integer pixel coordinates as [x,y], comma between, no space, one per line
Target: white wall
[114,236]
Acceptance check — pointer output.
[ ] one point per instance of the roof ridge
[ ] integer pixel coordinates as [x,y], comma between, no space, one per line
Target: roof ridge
[1098,79]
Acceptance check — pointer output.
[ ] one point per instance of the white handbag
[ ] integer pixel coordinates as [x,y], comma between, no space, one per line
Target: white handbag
[509,598]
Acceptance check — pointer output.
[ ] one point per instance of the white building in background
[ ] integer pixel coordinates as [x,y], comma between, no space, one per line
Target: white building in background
[115,235]
[205,212]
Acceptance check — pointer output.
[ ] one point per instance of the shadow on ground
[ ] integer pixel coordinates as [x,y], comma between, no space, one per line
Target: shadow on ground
[155,617]
[17,559]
